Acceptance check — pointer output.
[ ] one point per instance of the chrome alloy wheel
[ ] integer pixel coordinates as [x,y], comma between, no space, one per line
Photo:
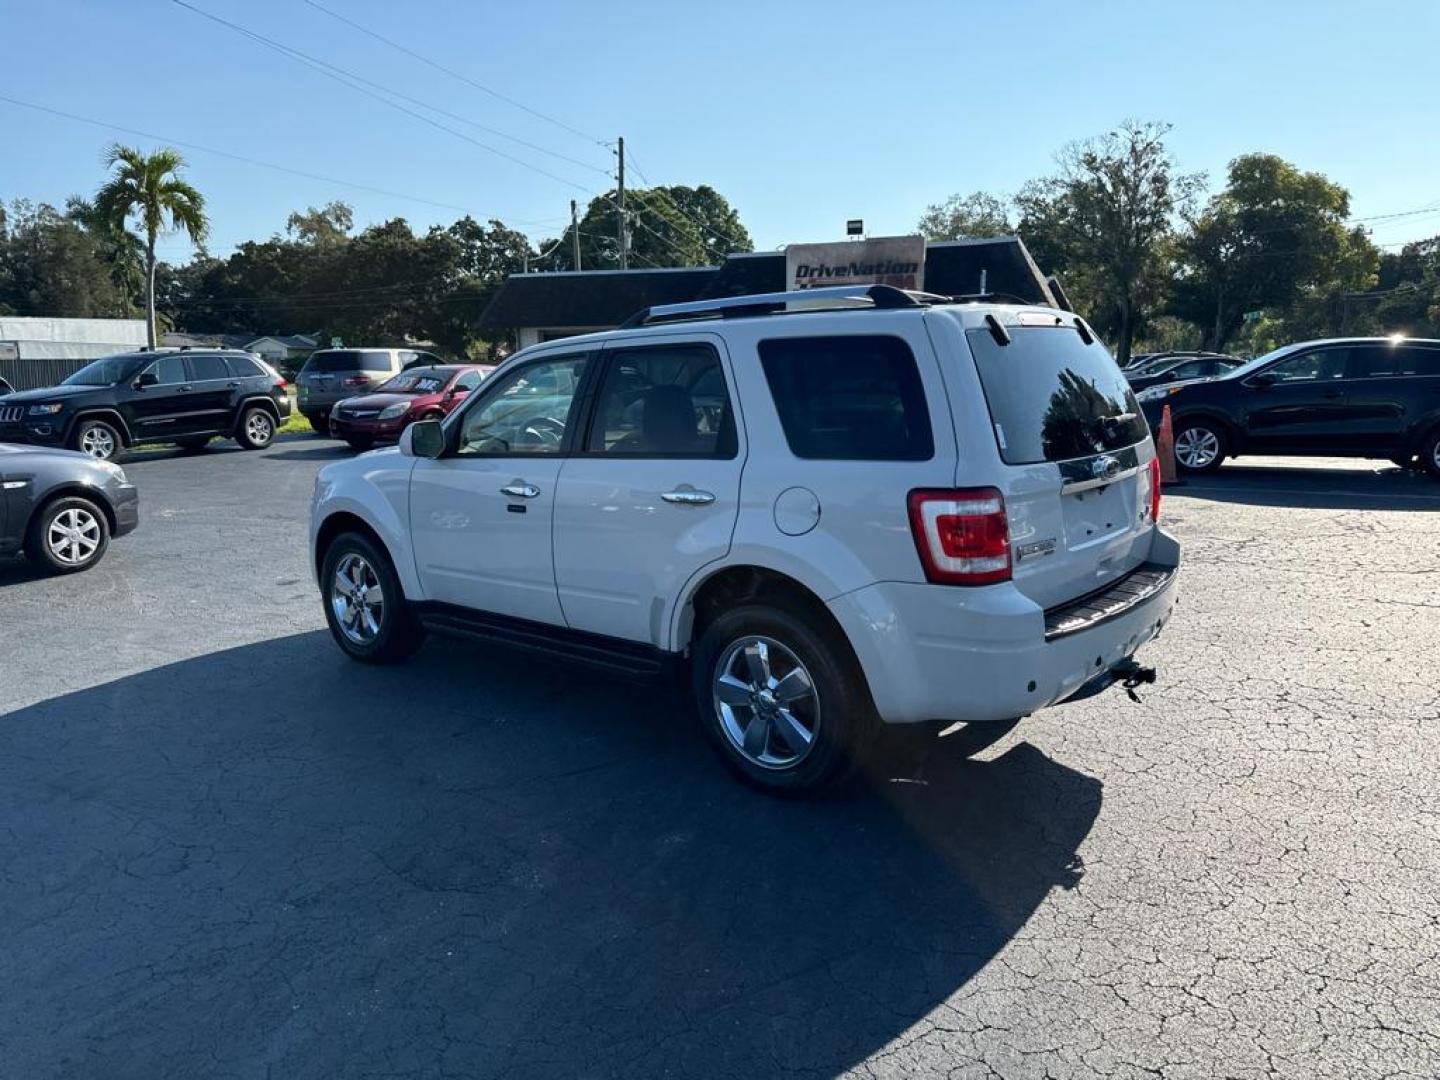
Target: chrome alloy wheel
[73,536]
[258,427]
[357,600]
[1197,447]
[766,702]
[98,442]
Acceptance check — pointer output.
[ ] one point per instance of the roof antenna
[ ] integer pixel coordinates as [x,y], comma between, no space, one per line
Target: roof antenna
[983,274]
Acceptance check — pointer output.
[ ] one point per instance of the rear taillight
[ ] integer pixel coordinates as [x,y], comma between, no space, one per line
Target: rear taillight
[355,380]
[1155,489]
[280,384]
[962,535]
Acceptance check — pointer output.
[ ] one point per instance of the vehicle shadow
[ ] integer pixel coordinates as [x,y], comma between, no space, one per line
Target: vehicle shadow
[311,449]
[16,570]
[1382,487]
[270,860]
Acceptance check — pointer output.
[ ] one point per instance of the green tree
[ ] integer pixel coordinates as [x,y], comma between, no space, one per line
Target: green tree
[51,265]
[149,187]
[1274,238]
[327,226]
[1104,222]
[978,214]
[669,226]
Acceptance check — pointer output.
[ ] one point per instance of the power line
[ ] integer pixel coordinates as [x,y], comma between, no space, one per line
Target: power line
[232,156]
[361,84]
[457,75]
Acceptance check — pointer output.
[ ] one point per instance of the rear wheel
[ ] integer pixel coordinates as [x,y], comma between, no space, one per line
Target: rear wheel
[1430,453]
[364,605]
[100,439]
[257,428]
[68,535]
[783,703]
[1200,446]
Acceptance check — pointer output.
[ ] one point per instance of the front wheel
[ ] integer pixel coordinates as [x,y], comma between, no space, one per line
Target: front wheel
[784,704]
[97,438]
[68,535]
[257,428]
[364,605]
[1200,446]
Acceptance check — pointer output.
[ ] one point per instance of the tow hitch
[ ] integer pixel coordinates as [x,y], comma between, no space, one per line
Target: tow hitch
[1129,674]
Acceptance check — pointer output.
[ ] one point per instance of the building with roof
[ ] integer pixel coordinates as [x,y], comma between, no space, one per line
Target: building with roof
[547,306]
[39,351]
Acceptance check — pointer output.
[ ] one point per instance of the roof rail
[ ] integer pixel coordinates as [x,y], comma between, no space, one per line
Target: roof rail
[733,307]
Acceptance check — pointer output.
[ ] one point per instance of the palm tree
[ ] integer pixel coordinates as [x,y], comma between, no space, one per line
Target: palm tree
[150,188]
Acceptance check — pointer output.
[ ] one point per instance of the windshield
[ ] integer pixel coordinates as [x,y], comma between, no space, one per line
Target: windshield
[1052,397]
[416,381]
[1259,362]
[106,371]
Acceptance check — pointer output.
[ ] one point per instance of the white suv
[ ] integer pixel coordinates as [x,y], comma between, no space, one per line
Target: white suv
[871,505]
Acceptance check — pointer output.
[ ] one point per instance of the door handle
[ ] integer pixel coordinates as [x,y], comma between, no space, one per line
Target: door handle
[233,385]
[520,490]
[688,496]
[1331,395]
[186,388]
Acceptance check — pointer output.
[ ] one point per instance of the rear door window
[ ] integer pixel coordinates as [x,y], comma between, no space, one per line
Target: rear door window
[664,401]
[1052,397]
[170,370]
[1382,361]
[850,398]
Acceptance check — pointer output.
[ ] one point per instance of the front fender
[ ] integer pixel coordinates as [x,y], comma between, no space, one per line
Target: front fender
[373,489]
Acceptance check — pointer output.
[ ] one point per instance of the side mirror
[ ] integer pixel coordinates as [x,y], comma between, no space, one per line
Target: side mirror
[1263,380]
[424,438]
[146,378]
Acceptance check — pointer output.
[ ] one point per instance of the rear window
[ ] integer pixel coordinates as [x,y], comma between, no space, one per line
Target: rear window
[417,381]
[1052,397]
[348,360]
[851,398]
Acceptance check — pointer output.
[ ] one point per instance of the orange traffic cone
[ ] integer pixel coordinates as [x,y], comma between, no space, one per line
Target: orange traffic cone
[1166,448]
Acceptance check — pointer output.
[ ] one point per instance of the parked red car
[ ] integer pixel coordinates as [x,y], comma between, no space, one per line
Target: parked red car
[418,393]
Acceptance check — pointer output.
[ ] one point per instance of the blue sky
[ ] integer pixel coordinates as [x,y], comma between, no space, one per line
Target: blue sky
[801,114]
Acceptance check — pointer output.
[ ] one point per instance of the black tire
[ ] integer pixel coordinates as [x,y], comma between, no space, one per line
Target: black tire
[256,429]
[193,442]
[99,439]
[361,444]
[91,530]
[1430,453]
[397,635]
[837,712]
[1201,430]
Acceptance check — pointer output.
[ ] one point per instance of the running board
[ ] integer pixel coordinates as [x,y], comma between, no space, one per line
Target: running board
[615,655]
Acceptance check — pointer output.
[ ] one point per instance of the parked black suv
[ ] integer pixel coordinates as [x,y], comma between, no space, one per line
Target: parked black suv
[1345,397]
[186,397]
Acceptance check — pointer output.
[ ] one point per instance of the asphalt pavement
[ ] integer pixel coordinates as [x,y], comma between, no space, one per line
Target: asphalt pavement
[226,851]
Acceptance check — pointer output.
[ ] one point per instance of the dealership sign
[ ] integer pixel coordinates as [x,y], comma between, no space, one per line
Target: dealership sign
[881,260]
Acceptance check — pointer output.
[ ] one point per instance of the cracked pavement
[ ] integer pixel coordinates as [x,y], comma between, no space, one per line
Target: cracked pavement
[225,851]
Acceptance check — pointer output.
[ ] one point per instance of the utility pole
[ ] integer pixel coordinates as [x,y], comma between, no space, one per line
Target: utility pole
[620,229]
[574,236]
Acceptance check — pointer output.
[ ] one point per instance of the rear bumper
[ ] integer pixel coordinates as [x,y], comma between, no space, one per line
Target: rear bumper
[932,652]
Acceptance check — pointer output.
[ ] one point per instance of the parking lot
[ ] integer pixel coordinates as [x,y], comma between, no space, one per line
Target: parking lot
[229,852]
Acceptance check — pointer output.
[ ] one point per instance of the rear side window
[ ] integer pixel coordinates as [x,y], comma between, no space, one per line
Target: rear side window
[331,360]
[851,398]
[208,367]
[1052,397]
[1379,361]
[242,367]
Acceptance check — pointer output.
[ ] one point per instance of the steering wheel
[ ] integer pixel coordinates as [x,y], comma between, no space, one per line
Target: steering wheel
[546,430]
